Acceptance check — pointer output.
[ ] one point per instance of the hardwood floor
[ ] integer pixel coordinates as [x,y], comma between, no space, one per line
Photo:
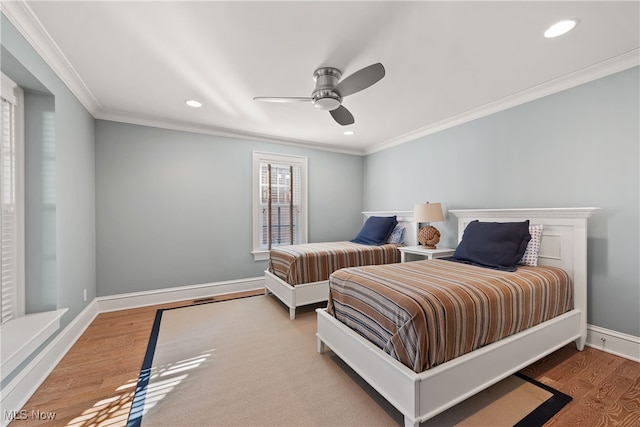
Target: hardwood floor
[94,383]
[605,388]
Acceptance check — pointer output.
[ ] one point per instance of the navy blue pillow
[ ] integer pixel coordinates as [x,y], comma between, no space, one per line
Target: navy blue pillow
[498,245]
[376,230]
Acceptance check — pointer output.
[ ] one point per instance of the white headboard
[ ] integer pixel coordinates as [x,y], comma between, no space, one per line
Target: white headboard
[405,218]
[563,244]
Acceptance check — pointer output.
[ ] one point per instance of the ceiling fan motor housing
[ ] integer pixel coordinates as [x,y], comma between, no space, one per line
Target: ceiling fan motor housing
[324,96]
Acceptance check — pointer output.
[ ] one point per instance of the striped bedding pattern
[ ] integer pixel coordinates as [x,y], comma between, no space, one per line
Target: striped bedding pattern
[425,313]
[314,262]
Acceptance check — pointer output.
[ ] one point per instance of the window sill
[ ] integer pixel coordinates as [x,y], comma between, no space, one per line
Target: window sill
[260,255]
[22,336]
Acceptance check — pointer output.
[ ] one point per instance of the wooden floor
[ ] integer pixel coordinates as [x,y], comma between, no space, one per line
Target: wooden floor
[94,383]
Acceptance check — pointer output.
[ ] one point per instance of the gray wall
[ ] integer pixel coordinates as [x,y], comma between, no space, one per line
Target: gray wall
[579,147]
[74,242]
[41,288]
[174,208]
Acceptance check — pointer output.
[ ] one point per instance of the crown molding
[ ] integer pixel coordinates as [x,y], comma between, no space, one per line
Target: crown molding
[22,17]
[122,117]
[605,68]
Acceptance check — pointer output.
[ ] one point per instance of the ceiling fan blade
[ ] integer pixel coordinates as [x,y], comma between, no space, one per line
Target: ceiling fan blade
[342,116]
[361,79]
[282,99]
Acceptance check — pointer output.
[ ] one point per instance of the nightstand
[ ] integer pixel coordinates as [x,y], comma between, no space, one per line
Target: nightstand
[419,251]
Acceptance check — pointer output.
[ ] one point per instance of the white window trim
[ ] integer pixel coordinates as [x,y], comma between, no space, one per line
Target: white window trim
[14,93]
[261,157]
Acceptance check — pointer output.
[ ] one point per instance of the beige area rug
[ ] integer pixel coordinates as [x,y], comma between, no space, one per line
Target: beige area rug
[244,363]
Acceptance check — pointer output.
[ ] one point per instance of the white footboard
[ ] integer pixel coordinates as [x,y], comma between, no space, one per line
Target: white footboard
[422,396]
[295,296]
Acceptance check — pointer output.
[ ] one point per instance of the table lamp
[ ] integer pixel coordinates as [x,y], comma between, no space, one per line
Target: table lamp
[428,236]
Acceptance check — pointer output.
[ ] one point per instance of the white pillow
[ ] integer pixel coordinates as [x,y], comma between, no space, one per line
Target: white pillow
[530,256]
[397,235]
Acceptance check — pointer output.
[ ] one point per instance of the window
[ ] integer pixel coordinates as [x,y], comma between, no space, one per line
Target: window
[279,202]
[11,202]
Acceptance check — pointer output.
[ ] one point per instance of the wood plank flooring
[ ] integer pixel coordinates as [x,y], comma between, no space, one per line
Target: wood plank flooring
[94,383]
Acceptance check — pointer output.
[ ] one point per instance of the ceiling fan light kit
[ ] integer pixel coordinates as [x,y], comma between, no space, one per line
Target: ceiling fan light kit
[329,90]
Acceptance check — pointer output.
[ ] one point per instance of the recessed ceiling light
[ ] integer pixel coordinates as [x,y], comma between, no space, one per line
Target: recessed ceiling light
[559,28]
[349,132]
[193,103]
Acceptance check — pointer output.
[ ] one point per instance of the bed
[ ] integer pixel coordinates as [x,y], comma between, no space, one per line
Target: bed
[298,274]
[421,394]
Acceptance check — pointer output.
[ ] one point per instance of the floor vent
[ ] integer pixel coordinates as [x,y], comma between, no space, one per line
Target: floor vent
[203,300]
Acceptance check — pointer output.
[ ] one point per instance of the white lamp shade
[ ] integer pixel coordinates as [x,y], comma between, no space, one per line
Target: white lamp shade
[428,212]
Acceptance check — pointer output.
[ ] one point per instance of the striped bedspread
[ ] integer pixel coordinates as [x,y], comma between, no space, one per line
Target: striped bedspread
[314,262]
[425,313]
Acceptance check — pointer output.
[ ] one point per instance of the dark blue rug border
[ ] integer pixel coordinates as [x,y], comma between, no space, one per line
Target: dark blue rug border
[543,413]
[137,406]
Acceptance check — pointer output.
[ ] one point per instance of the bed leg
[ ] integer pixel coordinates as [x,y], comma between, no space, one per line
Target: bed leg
[292,313]
[266,291]
[320,345]
[580,342]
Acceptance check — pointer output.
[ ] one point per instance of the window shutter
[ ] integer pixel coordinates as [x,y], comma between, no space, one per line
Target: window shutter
[8,219]
[281,195]
[279,202]
[296,202]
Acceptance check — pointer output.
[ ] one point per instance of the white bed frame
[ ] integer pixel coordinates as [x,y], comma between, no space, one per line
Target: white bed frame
[420,396]
[311,293]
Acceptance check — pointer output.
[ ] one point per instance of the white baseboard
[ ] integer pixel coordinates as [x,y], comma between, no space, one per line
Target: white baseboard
[18,391]
[181,293]
[613,342]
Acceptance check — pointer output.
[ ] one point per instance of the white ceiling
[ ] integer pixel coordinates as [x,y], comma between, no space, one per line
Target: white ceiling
[446,62]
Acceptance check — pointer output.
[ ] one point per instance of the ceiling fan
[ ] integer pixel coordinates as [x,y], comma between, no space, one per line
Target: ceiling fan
[330,91]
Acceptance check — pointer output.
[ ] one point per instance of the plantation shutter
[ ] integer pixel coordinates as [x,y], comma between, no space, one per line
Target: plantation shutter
[8,219]
[281,196]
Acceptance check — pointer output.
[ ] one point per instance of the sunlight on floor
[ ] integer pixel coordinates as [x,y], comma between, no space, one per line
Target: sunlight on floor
[114,411]
[107,412]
